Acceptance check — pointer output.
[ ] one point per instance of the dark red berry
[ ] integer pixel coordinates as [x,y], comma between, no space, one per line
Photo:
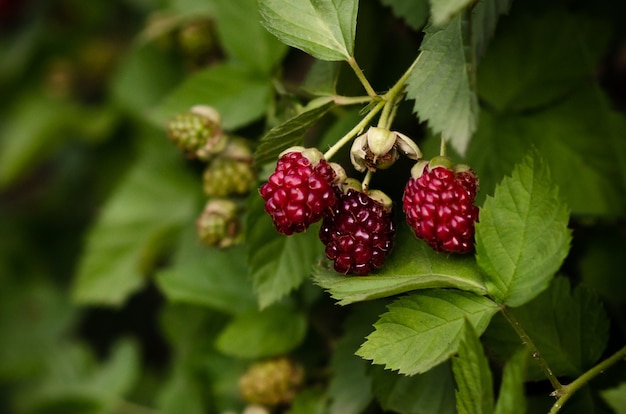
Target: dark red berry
[439,206]
[299,192]
[358,234]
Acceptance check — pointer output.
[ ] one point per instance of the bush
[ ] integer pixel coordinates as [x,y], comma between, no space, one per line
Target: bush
[141,270]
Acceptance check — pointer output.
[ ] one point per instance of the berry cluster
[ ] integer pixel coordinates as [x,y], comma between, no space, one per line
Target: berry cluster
[357,224]
[228,174]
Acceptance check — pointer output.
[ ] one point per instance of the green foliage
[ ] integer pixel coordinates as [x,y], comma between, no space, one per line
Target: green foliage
[443,83]
[227,290]
[421,330]
[131,233]
[511,398]
[472,375]
[522,236]
[277,264]
[235,92]
[110,303]
[432,391]
[275,331]
[412,266]
[324,29]
[291,132]
[571,339]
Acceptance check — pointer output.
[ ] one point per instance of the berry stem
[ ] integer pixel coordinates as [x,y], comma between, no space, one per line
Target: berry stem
[442,147]
[350,100]
[526,341]
[354,131]
[391,95]
[568,390]
[366,181]
[359,74]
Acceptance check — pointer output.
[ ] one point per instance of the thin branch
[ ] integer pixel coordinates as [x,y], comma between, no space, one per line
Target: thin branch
[558,387]
[359,74]
[568,390]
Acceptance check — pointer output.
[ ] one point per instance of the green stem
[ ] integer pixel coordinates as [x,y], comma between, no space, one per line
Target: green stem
[568,390]
[442,147]
[387,97]
[366,181]
[351,100]
[359,74]
[357,129]
[558,387]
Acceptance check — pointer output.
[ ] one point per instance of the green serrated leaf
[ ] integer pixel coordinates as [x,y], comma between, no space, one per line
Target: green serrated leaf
[309,401]
[414,13]
[34,128]
[321,78]
[485,15]
[582,128]
[278,263]
[522,236]
[412,265]
[616,398]
[350,387]
[118,375]
[239,26]
[472,374]
[144,77]
[511,398]
[570,329]
[442,83]
[271,332]
[291,132]
[130,232]
[239,95]
[545,71]
[324,29]
[423,329]
[430,392]
[208,277]
[442,11]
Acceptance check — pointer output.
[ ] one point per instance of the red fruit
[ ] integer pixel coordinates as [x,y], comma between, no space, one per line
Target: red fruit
[300,191]
[358,234]
[439,206]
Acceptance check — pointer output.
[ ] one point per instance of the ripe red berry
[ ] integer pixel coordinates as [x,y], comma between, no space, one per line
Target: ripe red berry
[439,206]
[359,233]
[300,191]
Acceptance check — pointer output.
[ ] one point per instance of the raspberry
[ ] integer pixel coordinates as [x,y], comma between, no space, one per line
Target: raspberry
[359,233]
[272,382]
[300,191]
[439,206]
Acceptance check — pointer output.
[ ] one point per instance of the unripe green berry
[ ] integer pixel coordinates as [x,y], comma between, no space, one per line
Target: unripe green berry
[198,132]
[273,382]
[218,225]
[225,177]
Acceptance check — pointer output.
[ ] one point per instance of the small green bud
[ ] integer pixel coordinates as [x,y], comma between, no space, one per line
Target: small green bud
[379,148]
[218,225]
[198,132]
